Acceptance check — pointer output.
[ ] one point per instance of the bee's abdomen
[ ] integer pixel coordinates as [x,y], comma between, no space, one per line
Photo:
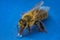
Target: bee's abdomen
[43,14]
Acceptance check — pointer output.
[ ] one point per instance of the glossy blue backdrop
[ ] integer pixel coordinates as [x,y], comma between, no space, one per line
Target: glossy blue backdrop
[10,13]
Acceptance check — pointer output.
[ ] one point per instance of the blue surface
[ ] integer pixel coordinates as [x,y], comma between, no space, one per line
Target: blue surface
[10,13]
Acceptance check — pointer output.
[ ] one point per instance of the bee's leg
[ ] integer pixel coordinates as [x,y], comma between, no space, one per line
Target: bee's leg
[37,24]
[42,27]
[21,31]
[29,29]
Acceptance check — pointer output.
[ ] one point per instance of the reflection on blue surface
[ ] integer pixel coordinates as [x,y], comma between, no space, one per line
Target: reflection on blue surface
[11,12]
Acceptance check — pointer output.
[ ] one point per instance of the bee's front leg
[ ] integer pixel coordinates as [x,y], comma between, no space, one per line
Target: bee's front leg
[21,31]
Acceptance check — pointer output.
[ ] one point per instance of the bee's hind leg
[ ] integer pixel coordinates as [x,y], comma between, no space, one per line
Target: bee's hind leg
[37,24]
[42,27]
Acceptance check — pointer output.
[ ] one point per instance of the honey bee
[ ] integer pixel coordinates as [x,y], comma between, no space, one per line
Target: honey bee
[33,17]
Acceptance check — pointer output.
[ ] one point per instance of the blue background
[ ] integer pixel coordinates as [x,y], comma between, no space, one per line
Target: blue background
[10,13]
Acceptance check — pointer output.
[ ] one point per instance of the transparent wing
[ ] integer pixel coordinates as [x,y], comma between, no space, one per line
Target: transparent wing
[40,6]
[37,5]
[42,2]
[46,8]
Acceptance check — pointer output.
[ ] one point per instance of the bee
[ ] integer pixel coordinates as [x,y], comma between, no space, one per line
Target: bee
[33,17]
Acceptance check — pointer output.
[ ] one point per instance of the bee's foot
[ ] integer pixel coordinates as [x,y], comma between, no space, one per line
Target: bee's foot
[19,35]
[44,31]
